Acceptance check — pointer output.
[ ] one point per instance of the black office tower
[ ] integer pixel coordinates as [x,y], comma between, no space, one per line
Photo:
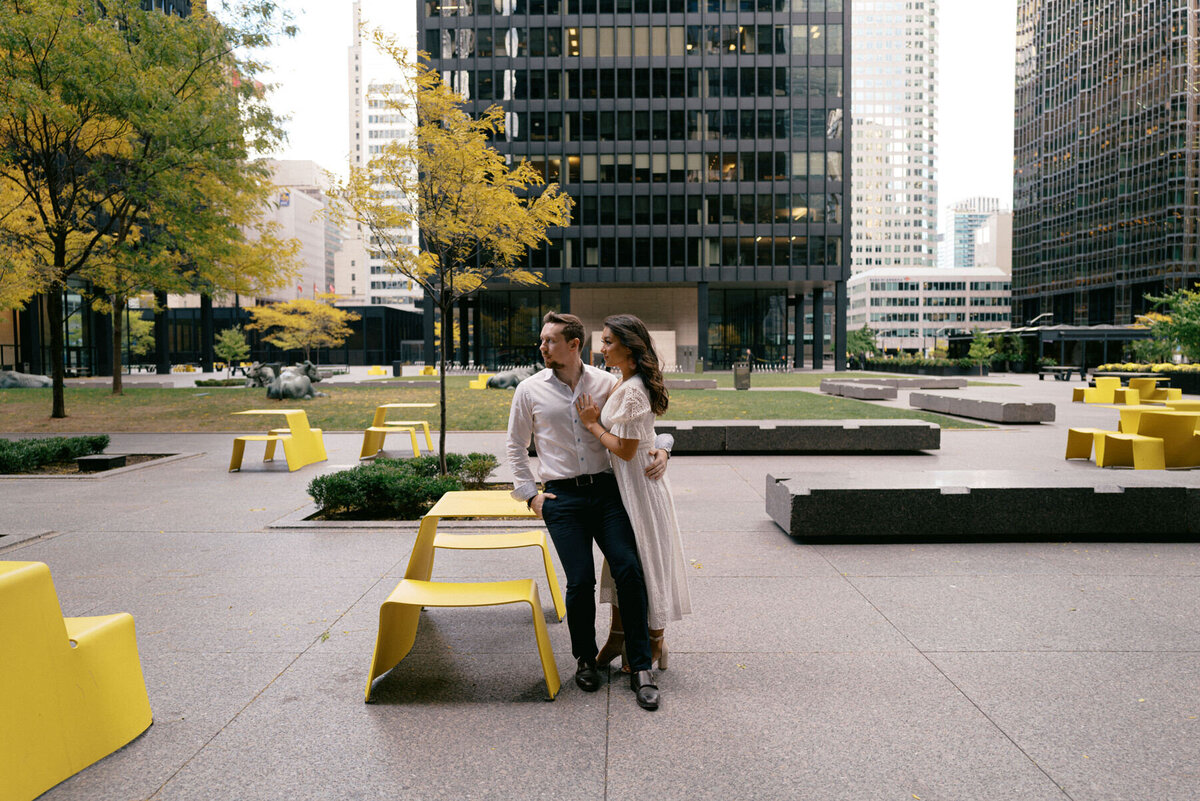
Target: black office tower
[703,142]
[1106,177]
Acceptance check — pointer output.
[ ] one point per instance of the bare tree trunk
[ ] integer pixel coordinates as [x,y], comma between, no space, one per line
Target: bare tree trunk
[118,319]
[442,386]
[54,314]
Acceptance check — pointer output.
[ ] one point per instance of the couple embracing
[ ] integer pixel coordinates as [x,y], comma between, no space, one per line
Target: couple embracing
[603,473]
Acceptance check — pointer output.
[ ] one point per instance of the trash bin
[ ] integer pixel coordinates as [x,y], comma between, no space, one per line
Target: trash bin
[397,369]
[700,366]
[741,375]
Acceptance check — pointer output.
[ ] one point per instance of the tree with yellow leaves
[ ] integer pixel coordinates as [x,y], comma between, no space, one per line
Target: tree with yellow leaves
[477,216]
[125,147]
[303,324]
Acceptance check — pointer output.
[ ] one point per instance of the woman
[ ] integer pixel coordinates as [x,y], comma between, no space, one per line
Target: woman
[626,428]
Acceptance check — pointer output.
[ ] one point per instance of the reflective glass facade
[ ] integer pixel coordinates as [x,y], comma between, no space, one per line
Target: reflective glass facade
[702,140]
[1105,188]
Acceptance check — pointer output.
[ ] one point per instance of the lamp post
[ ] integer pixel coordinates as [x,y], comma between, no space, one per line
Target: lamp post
[939,331]
[1040,316]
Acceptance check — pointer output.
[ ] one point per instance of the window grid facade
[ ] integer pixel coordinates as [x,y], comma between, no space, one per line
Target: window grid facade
[894,106]
[702,140]
[910,309]
[1105,178]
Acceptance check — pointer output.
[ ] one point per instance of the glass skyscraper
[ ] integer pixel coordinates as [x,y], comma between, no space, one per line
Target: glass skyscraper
[703,142]
[1105,184]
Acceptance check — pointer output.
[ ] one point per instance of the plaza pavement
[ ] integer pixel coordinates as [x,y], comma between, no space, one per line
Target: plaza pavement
[1033,670]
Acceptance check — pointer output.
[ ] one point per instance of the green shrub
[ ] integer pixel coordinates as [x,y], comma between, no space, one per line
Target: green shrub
[24,455]
[220,382]
[398,488]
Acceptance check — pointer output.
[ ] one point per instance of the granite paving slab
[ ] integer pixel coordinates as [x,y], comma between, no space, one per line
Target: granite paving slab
[442,730]
[765,726]
[786,614]
[1106,727]
[193,696]
[1040,612]
[1015,559]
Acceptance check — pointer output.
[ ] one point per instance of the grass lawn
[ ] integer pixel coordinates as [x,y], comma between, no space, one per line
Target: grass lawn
[350,407]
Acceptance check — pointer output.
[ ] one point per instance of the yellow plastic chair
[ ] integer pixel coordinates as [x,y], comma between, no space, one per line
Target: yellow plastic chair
[373,437]
[480,381]
[1177,430]
[1150,391]
[71,689]
[1103,392]
[302,445]
[376,370]
[380,419]
[535,538]
[1127,396]
[400,613]
[1129,450]
[1080,440]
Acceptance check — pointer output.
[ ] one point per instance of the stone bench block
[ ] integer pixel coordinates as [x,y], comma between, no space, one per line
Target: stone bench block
[983,504]
[690,383]
[994,411]
[861,391]
[808,436]
[919,382]
[96,462]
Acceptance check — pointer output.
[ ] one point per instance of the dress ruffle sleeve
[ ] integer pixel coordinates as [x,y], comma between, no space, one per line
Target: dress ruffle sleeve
[634,415]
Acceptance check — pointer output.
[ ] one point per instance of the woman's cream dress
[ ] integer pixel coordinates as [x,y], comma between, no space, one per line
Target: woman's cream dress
[650,506]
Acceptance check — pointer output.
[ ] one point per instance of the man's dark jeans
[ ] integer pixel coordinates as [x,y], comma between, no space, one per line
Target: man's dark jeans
[578,516]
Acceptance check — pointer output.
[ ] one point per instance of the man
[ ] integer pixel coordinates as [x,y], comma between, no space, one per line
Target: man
[581,503]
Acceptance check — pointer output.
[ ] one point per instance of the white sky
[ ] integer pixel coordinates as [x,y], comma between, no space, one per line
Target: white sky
[975,88]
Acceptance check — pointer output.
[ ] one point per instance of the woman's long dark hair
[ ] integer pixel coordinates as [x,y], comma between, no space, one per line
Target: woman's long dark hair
[632,334]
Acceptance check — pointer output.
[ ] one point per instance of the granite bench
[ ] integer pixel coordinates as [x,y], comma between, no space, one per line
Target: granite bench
[916,382]
[690,383]
[994,411]
[857,389]
[802,436]
[707,438]
[1015,505]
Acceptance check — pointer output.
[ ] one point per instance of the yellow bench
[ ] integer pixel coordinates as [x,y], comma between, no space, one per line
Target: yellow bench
[373,437]
[302,445]
[71,689]
[1129,450]
[1103,392]
[480,381]
[399,614]
[1080,440]
[1150,391]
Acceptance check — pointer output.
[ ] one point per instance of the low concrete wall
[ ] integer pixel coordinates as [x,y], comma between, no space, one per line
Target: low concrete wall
[983,504]
[690,383]
[855,389]
[807,436]
[921,382]
[995,411]
[707,438]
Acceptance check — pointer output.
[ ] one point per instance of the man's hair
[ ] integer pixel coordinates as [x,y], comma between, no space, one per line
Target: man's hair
[572,325]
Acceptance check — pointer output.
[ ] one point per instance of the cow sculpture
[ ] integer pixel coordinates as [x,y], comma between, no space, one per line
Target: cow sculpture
[510,378]
[11,379]
[294,383]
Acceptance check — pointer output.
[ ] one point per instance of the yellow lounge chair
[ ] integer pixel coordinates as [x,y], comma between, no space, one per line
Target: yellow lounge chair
[71,689]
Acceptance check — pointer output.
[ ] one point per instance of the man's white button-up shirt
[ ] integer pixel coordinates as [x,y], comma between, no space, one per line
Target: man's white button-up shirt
[543,409]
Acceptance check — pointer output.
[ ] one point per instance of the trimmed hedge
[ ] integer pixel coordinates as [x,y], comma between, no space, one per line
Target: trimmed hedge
[401,489]
[24,455]
[220,382]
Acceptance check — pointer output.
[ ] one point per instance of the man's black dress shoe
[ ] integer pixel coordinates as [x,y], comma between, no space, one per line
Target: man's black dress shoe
[587,676]
[642,683]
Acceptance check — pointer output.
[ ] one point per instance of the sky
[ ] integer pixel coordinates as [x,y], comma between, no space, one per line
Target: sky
[976,44]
